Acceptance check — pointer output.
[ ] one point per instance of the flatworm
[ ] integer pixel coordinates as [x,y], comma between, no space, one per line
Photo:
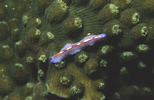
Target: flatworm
[70,49]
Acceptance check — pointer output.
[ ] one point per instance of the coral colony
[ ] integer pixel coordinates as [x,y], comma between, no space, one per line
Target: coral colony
[46,54]
[70,49]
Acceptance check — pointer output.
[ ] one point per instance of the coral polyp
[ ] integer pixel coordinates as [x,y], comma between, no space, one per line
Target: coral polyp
[76,49]
[108,12]
[72,24]
[132,18]
[56,11]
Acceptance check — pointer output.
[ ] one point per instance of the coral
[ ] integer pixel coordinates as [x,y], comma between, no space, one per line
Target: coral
[20,47]
[15,34]
[30,59]
[142,48]
[65,78]
[103,63]
[91,66]
[28,88]
[33,34]
[94,4]
[42,58]
[121,3]
[138,32]
[60,64]
[81,57]
[118,67]
[108,12]
[142,65]
[106,50]
[39,90]
[78,2]
[41,5]
[6,52]
[112,28]
[26,17]
[76,88]
[29,98]
[134,92]
[13,23]
[99,84]
[3,70]
[55,87]
[6,85]
[4,30]
[34,22]
[56,12]
[132,17]
[72,24]
[128,56]
[19,73]
[14,96]
[145,6]
[46,38]
[3,11]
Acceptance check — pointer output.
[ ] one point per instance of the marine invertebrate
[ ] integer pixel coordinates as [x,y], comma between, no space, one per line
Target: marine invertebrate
[56,12]
[142,48]
[112,28]
[66,78]
[91,66]
[60,64]
[145,6]
[39,90]
[76,88]
[6,85]
[132,17]
[3,11]
[3,70]
[13,23]
[72,24]
[94,4]
[20,47]
[108,12]
[81,57]
[30,59]
[79,2]
[41,5]
[136,35]
[99,84]
[6,52]
[26,17]
[46,38]
[106,50]
[42,58]
[70,49]
[33,35]
[19,72]
[34,22]
[15,34]
[55,87]
[150,36]
[28,88]
[121,3]
[139,32]
[55,22]
[128,56]
[4,30]
[103,63]
[14,96]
